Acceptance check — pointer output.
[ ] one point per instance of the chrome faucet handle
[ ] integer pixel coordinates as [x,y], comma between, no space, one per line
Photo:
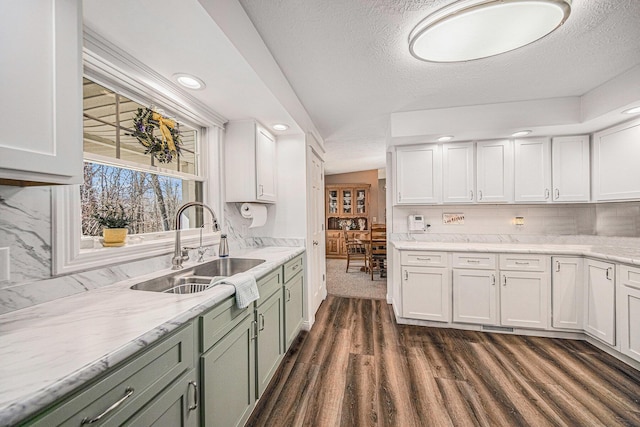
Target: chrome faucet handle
[201,252]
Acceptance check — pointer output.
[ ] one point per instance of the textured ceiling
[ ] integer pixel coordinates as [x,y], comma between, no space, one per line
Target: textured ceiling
[349,64]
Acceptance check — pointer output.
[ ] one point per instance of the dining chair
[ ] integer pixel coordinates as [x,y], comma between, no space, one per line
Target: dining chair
[378,249]
[356,250]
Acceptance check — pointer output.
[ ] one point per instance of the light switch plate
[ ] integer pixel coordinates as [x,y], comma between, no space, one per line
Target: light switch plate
[4,264]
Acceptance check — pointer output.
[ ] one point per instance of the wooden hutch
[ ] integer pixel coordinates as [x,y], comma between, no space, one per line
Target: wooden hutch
[346,205]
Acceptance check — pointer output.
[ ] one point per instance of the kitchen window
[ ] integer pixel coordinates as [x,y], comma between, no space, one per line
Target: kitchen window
[117,171]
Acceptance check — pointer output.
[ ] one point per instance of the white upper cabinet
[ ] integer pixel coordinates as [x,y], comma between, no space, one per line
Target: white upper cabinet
[250,163]
[532,170]
[41,86]
[458,173]
[570,168]
[616,174]
[494,171]
[418,174]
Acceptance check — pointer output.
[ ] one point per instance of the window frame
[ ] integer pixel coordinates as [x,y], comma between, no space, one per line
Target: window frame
[111,67]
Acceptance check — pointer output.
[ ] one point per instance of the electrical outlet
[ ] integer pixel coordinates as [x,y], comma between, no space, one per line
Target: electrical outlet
[4,264]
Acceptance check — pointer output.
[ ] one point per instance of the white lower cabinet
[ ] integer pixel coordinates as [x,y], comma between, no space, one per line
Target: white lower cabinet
[599,301]
[475,296]
[628,311]
[523,299]
[567,292]
[426,293]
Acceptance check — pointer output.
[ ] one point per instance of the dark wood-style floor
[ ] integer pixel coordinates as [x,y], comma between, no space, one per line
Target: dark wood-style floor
[357,367]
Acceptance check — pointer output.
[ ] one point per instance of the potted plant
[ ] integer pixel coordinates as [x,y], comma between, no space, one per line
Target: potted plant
[115,221]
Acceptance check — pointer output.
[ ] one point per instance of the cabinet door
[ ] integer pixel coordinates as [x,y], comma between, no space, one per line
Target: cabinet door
[629,312]
[41,86]
[567,293]
[426,293]
[570,169]
[265,166]
[333,246]
[270,318]
[228,374]
[293,308]
[599,299]
[615,160]
[361,202]
[494,171]
[346,201]
[532,170]
[176,406]
[418,174]
[332,201]
[458,173]
[474,296]
[523,299]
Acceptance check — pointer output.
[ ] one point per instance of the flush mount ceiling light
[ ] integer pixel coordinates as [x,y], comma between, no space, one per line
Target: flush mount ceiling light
[521,133]
[280,126]
[634,110]
[189,81]
[445,138]
[474,29]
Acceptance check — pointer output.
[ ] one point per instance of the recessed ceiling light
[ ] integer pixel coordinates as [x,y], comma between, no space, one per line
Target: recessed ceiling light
[445,138]
[474,29]
[280,126]
[521,133]
[189,81]
[634,110]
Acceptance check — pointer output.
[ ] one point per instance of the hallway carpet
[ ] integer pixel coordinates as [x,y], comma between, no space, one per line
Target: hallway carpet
[354,284]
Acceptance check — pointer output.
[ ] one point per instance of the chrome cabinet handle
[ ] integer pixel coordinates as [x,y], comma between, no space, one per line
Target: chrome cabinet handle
[406,275]
[128,393]
[195,396]
[504,280]
[557,266]
[288,295]
[261,189]
[254,330]
[474,261]
[479,194]
[261,322]
[608,273]
[546,193]
[295,267]
[423,259]
[522,263]
[557,193]
[493,280]
[471,195]
[399,196]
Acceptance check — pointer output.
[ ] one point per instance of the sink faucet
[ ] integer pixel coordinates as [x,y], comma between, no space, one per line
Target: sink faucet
[180,254]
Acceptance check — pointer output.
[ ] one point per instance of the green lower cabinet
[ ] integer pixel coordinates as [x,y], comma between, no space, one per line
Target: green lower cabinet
[270,347]
[177,406]
[293,308]
[228,377]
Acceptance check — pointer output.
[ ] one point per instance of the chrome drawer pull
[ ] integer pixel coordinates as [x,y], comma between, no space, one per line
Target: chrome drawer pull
[493,280]
[128,393]
[423,259]
[474,261]
[195,396]
[522,263]
[295,267]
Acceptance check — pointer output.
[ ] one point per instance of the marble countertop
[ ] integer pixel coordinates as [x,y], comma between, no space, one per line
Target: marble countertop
[626,255]
[53,348]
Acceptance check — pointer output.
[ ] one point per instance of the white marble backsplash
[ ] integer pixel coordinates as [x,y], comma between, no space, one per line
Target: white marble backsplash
[25,228]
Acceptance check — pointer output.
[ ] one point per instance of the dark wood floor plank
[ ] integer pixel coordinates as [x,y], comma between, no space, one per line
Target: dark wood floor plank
[325,402]
[359,406]
[357,367]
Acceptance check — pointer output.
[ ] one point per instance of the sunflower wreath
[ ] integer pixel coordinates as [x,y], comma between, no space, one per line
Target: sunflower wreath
[163,148]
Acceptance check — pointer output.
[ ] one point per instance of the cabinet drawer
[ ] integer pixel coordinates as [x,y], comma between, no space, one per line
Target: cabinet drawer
[292,267]
[221,319]
[479,261]
[431,259]
[524,262]
[134,385]
[630,276]
[269,284]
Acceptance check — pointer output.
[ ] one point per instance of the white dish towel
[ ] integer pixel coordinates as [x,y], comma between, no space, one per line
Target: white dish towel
[246,288]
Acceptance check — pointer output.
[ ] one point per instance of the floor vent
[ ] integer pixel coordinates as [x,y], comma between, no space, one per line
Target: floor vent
[496,328]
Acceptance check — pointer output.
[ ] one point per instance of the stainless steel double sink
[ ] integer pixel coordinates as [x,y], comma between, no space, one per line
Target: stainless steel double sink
[198,278]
